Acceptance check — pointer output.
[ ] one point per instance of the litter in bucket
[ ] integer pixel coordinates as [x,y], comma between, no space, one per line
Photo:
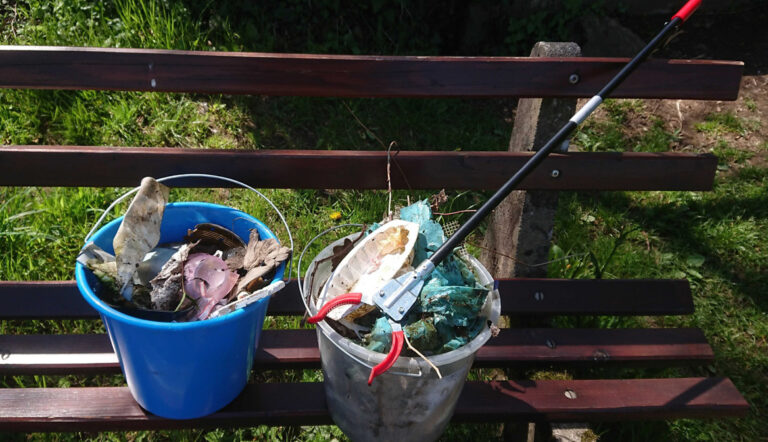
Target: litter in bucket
[184,370]
[445,310]
[210,273]
[415,399]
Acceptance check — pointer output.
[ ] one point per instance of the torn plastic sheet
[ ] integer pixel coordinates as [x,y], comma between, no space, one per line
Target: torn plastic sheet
[431,234]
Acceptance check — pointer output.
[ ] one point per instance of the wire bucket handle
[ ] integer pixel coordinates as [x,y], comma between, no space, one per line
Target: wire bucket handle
[196,175]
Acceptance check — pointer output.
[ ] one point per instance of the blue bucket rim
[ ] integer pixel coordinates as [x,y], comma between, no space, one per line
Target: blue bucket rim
[105,309]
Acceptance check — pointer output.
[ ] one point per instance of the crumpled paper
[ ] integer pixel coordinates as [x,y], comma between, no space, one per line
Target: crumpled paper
[139,232]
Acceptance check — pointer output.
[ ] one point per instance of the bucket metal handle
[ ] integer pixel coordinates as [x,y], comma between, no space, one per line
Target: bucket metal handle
[305,300]
[196,175]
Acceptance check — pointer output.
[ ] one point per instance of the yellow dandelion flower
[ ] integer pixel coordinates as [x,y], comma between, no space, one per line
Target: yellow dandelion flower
[335,216]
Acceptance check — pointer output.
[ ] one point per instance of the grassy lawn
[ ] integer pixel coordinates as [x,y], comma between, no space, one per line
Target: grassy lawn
[714,239]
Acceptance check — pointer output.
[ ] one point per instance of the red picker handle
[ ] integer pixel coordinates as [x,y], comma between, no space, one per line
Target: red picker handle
[687,10]
[397,346]
[347,298]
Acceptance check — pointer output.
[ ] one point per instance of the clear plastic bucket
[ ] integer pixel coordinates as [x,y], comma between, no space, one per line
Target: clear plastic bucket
[408,402]
[189,369]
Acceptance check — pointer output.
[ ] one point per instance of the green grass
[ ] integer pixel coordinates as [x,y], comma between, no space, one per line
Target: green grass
[714,239]
[728,154]
[656,139]
[726,122]
[751,104]
[607,134]
[610,133]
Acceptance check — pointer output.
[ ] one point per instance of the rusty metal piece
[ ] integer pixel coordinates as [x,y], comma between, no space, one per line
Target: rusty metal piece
[254,279]
[214,235]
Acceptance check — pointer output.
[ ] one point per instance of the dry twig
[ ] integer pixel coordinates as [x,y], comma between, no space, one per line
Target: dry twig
[426,359]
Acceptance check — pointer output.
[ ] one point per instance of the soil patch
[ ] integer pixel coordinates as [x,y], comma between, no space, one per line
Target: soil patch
[735,131]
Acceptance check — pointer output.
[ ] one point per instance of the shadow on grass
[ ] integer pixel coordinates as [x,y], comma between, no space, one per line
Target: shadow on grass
[709,227]
[726,227]
[371,124]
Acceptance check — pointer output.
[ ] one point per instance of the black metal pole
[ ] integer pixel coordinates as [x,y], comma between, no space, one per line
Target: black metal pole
[555,141]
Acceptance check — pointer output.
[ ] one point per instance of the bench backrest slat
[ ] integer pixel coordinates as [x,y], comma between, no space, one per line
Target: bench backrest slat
[357,76]
[318,169]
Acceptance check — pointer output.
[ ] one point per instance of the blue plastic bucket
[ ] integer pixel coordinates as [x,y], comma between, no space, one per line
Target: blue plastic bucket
[191,369]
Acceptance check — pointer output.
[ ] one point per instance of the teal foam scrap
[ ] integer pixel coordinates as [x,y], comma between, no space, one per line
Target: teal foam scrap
[380,338]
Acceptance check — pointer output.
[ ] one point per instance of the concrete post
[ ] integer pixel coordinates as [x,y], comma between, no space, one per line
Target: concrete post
[520,229]
[519,233]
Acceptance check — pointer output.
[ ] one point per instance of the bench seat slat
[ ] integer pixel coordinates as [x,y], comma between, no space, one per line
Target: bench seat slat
[61,299]
[601,400]
[316,169]
[357,76]
[92,353]
[113,408]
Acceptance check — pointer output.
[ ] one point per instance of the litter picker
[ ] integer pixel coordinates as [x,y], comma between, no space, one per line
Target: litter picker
[398,296]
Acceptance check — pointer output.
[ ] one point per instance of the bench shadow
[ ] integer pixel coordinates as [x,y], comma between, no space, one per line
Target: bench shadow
[683,228]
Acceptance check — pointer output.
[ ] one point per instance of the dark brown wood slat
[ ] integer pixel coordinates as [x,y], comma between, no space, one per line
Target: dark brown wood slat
[61,299]
[113,408]
[597,297]
[601,400]
[357,76]
[307,169]
[91,354]
[558,346]
[43,300]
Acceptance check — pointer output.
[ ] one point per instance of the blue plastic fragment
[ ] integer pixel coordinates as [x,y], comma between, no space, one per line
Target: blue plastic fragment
[446,314]
[380,338]
[431,234]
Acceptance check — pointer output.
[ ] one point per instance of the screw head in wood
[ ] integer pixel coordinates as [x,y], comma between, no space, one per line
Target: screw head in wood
[574,78]
[570,394]
[539,296]
[555,173]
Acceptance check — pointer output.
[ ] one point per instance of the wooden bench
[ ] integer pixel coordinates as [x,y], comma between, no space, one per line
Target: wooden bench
[113,408]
